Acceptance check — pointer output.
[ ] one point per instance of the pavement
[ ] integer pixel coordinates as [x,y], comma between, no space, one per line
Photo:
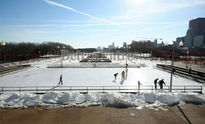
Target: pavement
[105,115]
[192,66]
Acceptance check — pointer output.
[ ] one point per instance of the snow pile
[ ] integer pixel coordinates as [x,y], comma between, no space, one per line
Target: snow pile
[53,99]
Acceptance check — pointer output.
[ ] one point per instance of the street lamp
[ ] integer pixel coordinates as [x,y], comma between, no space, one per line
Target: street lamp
[3,44]
[172,62]
[127,47]
[187,53]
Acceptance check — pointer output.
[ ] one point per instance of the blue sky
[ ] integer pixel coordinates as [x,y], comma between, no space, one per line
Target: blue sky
[92,23]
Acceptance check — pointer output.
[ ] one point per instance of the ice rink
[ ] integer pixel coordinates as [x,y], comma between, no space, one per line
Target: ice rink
[40,75]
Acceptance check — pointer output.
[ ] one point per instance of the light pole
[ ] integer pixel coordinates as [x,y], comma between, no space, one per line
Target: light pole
[187,53]
[172,62]
[3,44]
[62,56]
[127,47]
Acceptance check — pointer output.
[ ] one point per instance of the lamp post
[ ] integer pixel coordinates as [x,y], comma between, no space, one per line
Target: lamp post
[187,53]
[3,44]
[127,47]
[172,62]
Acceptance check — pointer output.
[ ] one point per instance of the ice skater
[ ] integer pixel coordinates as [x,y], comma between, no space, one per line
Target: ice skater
[115,75]
[126,65]
[155,83]
[123,75]
[61,80]
[161,83]
[126,72]
[139,84]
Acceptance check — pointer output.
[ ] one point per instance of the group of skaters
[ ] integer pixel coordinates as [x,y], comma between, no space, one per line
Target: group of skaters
[161,83]
[123,74]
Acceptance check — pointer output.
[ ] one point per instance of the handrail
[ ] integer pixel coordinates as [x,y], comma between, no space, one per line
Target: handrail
[38,89]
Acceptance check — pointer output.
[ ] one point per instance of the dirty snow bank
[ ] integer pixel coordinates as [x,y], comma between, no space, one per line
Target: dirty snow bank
[58,99]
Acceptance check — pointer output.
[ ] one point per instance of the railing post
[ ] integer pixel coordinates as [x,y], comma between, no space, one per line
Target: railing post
[87,89]
[119,89]
[70,88]
[2,90]
[202,89]
[103,89]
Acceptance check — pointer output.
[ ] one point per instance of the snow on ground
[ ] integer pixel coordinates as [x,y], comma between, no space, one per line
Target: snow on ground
[62,99]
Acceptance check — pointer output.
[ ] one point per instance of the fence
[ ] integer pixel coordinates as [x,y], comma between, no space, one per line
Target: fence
[103,89]
[197,75]
[92,65]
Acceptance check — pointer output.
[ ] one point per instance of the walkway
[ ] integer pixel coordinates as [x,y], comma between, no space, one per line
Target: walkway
[104,115]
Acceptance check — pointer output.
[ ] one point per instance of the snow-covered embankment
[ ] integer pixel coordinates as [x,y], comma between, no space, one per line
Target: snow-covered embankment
[63,99]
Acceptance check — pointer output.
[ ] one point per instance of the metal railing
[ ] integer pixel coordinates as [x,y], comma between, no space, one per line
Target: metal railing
[184,72]
[120,89]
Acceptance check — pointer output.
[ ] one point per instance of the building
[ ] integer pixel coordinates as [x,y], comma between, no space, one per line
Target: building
[124,45]
[99,48]
[112,46]
[155,43]
[199,41]
[195,35]
[197,26]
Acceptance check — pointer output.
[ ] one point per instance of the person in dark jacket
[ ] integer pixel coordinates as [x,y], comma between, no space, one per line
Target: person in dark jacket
[174,70]
[115,75]
[155,83]
[126,65]
[190,70]
[139,84]
[161,83]
[61,80]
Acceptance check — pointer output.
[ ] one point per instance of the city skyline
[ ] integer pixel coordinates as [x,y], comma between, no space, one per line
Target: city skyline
[96,23]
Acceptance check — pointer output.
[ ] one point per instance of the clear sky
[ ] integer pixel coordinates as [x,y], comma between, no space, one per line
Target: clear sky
[92,23]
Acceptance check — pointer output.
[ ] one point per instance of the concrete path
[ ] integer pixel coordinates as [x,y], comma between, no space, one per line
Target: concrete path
[104,115]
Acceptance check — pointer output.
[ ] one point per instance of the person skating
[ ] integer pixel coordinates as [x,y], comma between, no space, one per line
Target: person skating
[139,84]
[161,83]
[155,83]
[123,75]
[126,65]
[126,72]
[61,80]
[115,75]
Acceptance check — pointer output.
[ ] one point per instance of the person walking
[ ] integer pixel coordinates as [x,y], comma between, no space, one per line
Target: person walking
[123,75]
[155,83]
[161,83]
[61,80]
[115,75]
[190,70]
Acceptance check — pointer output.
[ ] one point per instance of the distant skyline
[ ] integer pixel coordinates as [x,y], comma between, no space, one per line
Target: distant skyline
[92,23]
